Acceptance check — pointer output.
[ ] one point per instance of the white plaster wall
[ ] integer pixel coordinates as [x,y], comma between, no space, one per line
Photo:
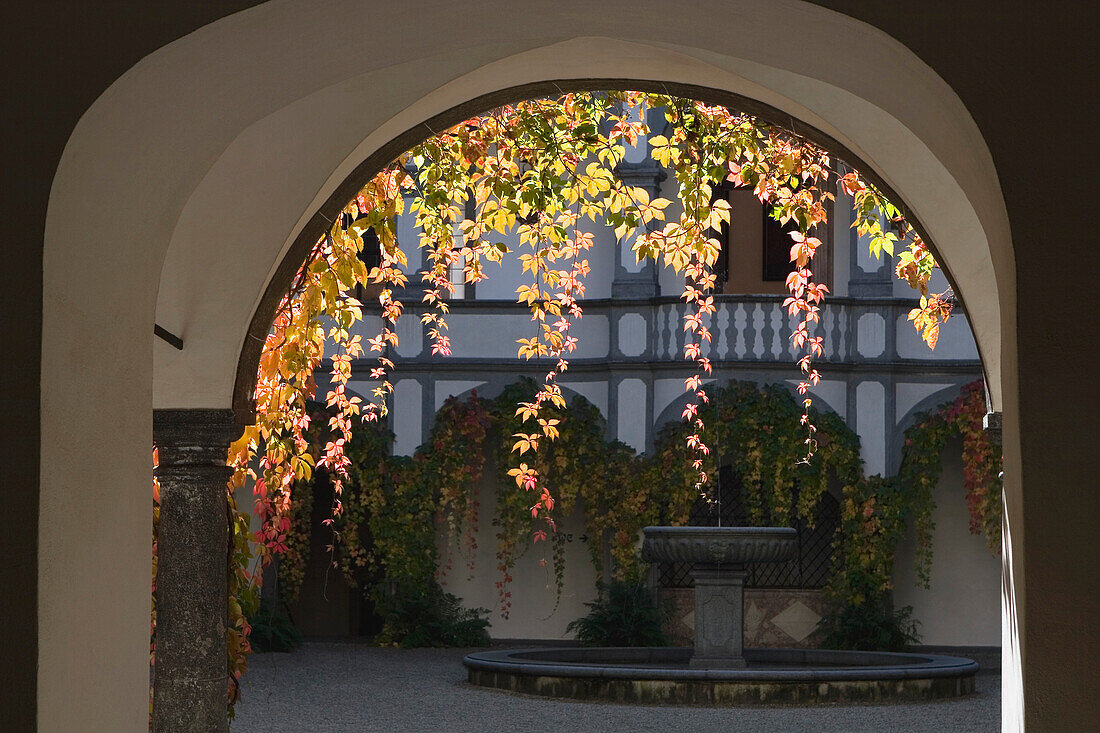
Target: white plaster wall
[871,335]
[871,426]
[632,334]
[842,243]
[408,239]
[667,391]
[445,388]
[533,614]
[594,391]
[627,258]
[908,394]
[470,337]
[408,410]
[371,326]
[829,394]
[601,258]
[937,284]
[867,261]
[956,340]
[669,282]
[962,605]
[410,335]
[632,413]
[636,153]
[505,277]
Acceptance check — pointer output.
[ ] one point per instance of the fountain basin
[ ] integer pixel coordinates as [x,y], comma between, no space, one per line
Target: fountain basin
[664,675]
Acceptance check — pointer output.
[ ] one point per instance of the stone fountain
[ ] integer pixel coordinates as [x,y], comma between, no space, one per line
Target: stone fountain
[718,671]
[718,557]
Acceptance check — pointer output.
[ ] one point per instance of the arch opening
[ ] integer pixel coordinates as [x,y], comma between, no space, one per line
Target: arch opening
[96,318]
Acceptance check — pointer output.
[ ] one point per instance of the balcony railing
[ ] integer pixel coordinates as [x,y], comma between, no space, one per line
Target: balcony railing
[745,329]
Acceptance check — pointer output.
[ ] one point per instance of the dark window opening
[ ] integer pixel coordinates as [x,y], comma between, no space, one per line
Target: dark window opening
[371,254]
[777,248]
[722,265]
[371,257]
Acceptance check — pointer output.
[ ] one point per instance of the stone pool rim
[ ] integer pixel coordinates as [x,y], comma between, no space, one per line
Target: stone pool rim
[890,666]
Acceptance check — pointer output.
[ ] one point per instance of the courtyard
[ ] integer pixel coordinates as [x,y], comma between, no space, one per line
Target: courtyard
[339,687]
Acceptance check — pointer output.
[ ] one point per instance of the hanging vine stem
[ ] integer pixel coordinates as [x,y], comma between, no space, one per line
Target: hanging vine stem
[569,162]
[688,246]
[482,153]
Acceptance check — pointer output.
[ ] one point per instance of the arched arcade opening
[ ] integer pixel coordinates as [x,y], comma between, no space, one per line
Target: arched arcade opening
[202,269]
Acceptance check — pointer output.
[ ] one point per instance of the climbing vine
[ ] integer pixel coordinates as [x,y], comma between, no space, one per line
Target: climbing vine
[399,513]
[545,169]
[403,514]
[455,465]
[920,468]
[541,168]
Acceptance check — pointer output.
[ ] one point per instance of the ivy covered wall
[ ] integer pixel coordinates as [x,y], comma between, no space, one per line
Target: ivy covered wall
[451,513]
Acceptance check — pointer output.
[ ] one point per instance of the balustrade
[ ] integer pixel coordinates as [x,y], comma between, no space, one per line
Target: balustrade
[744,328]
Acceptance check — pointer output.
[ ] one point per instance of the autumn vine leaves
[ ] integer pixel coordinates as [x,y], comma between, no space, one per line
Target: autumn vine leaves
[544,172]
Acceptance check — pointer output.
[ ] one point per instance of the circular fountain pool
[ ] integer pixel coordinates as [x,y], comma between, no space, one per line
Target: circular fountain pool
[718,670]
[664,675]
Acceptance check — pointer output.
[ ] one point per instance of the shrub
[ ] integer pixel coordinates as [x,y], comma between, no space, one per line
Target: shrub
[272,629]
[873,625]
[428,616]
[624,614]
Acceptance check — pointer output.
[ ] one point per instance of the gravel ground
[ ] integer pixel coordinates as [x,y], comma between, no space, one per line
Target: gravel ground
[352,687]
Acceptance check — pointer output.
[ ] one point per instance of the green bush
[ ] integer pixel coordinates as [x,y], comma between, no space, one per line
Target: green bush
[871,626]
[624,614]
[272,629]
[429,616]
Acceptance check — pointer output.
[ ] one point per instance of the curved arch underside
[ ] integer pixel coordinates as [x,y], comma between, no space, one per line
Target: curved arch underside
[186,183]
[217,200]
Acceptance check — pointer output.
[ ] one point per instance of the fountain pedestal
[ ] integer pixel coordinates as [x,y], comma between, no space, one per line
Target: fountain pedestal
[719,615]
[718,556]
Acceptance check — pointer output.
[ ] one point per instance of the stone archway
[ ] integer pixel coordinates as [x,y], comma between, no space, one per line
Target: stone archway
[185,216]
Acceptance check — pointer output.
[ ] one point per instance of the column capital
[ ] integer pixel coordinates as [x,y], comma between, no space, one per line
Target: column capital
[194,437]
[991,423]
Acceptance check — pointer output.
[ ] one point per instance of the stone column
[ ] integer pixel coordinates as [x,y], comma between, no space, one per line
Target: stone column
[190,675]
[719,611]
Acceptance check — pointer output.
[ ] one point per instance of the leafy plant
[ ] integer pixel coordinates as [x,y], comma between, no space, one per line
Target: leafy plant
[542,168]
[419,616]
[272,628]
[624,614]
[873,625]
[920,468]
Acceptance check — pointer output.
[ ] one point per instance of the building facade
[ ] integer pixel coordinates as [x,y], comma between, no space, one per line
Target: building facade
[878,375]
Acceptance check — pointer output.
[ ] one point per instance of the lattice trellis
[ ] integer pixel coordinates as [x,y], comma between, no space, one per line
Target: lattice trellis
[811,568]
